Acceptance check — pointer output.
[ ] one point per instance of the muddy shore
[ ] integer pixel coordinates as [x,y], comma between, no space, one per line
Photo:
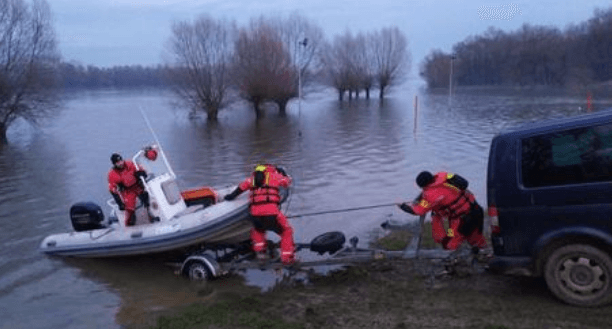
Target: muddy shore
[404,293]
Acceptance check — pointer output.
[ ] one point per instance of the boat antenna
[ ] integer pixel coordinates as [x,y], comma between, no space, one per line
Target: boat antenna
[161,150]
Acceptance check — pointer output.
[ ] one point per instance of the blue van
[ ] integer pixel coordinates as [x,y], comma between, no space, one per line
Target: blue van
[549,192]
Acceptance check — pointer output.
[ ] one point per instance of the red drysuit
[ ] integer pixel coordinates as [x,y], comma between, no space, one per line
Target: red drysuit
[446,200]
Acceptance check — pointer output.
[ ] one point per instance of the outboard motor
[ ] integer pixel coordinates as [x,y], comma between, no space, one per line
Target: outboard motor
[86,216]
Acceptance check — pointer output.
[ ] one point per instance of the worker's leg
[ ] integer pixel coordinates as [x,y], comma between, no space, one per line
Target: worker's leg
[287,245]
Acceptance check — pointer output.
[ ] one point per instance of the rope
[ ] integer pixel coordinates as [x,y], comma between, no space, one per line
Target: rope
[342,210]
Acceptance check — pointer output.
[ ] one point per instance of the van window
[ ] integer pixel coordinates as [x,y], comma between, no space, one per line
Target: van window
[573,156]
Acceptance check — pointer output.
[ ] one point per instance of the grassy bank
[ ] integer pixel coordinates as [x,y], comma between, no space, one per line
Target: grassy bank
[391,294]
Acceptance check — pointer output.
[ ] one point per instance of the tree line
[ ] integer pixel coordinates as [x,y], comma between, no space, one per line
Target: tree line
[532,55]
[210,63]
[75,75]
[215,62]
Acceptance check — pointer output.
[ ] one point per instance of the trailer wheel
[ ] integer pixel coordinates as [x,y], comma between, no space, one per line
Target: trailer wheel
[196,270]
[328,242]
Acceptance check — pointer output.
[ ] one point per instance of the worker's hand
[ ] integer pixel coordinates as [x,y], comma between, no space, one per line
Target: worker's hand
[141,173]
[406,208]
[118,201]
[282,171]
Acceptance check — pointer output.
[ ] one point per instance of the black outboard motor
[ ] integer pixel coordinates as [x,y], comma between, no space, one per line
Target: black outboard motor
[86,216]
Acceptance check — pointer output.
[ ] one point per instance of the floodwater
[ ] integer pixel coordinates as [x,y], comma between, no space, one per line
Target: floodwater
[341,154]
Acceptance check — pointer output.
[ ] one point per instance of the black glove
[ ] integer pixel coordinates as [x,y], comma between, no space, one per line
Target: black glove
[282,171]
[140,173]
[118,201]
[233,195]
[405,207]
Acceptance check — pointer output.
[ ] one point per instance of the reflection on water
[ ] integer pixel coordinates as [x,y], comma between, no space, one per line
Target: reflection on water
[147,286]
[340,154]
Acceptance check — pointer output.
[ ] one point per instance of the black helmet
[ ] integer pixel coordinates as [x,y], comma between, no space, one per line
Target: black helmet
[116,158]
[424,178]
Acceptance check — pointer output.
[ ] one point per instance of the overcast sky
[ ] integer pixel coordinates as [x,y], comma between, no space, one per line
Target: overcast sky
[126,32]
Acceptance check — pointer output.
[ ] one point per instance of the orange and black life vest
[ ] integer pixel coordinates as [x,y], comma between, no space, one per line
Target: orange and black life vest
[263,190]
[462,204]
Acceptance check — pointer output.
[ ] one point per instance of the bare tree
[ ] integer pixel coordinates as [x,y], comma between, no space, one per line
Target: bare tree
[364,58]
[332,69]
[599,44]
[392,58]
[435,69]
[263,65]
[28,63]
[202,55]
[340,66]
[302,40]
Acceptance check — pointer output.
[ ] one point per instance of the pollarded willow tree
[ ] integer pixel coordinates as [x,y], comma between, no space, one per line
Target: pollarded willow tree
[302,40]
[28,63]
[201,71]
[391,58]
[339,63]
[353,63]
[262,64]
[299,41]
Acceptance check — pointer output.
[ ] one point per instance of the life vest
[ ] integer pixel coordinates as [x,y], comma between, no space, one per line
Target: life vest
[463,199]
[122,179]
[264,189]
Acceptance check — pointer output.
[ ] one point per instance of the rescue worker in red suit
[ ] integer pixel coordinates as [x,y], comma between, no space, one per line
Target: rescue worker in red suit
[125,186]
[446,196]
[265,210]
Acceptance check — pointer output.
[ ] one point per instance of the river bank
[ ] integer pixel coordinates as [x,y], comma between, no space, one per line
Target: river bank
[391,294]
[405,293]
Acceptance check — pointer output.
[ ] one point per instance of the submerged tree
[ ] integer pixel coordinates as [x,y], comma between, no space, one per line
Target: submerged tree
[202,55]
[28,63]
[291,44]
[354,63]
[338,64]
[302,40]
[262,65]
[392,58]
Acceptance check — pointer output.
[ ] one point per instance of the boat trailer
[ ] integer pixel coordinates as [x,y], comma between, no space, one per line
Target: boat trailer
[211,262]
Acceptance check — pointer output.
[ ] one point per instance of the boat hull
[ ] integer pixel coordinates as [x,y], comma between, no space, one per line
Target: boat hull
[229,228]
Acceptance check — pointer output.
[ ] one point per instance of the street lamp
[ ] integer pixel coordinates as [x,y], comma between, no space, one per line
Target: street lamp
[300,43]
[450,79]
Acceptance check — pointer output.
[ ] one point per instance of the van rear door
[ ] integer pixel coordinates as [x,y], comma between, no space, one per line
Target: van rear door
[569,174]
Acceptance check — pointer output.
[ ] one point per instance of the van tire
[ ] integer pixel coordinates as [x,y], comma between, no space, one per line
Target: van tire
[580,275]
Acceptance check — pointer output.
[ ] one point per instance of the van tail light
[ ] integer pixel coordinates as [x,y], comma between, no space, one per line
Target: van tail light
[494,220]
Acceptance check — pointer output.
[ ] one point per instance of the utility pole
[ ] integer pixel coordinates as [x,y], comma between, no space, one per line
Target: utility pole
[450,80]
[300,43]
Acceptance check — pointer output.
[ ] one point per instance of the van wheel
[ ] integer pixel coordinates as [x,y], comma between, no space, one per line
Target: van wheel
[197,271]
[580,275]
